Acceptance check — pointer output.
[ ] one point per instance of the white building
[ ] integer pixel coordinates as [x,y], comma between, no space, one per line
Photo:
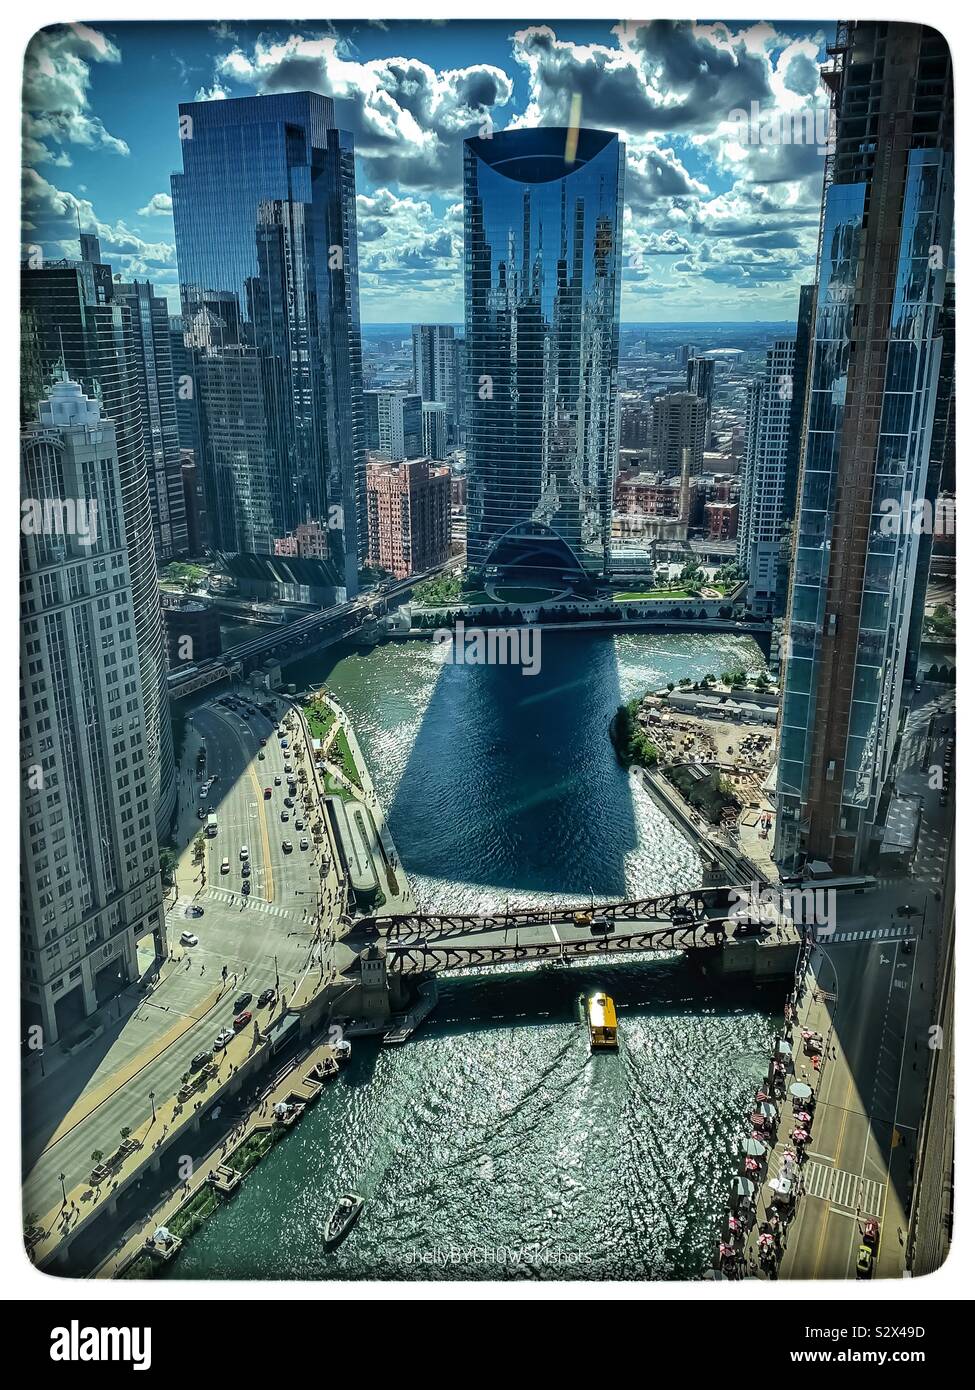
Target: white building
[90,883]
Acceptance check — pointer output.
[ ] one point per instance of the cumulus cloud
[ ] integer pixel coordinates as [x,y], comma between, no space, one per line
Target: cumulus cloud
[408,118]
[159,205]
[57,81]
[51,219]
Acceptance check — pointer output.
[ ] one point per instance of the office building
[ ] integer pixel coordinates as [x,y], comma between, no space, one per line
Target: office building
[90,885]
[543,224]
[875,360]
[435,429]
[700,380]
[394,424]
[264,213]
[763,476]
[434,365]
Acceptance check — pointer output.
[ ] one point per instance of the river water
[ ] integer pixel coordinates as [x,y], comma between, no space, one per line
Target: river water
[492,1145]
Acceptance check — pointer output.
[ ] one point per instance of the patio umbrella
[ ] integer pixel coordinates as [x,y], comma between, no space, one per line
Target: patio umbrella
[743,1187]
[783,1186]
[162,1235]
[767,1109]
[755,1148]
[800,1090]
[784,1048]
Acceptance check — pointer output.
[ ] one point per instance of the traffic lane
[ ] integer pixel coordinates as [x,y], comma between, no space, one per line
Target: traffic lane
[240,816]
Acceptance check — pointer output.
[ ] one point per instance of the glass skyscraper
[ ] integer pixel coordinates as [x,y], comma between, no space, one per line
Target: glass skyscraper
[265,222]
[875,360]
[543,223]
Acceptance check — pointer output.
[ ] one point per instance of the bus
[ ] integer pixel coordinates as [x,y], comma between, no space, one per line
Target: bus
[211,825]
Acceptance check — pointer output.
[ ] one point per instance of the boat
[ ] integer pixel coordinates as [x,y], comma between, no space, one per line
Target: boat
[601,1017]
[343,1218]
[342,1050]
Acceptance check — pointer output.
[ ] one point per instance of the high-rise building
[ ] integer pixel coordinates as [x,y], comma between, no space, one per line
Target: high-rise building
[763,476]
[435,429]
[265,221]
[434,363]
[184,388]
[678,421]
[684,353]
[875,360]
[700,380]
[153,365]
[89,858]
[543,226]
[79,329]
[394,424]
[409,516]
[459,404]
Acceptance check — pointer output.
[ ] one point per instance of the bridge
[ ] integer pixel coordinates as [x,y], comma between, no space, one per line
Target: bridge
[420,942]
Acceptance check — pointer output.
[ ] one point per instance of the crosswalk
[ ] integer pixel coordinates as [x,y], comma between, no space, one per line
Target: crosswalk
[843,1189]
[253,904]
[896,933]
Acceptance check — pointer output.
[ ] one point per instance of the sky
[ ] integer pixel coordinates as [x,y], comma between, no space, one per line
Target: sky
[722,196]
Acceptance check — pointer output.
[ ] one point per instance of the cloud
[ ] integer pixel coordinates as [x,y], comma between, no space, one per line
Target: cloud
[57,80]
[51,219]
[408,119]
[159,205]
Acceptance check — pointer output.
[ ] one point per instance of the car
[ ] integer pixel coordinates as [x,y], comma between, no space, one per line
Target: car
[287,846]
[284,743]
[200,1060]
[188,938]
[288,769]
[864,1262]
[299,825]
[260,754]
[286,815]
[268,996]
[245,887]
[225,866]
[201,813]
[747,928]
[303,842]
[242,1000]
[245,870]
[194,910]
[267,793]
[263,742]
[204,791]
[601,926]
[681,916]
[225,1036]
[244,852]
[242,1020]
[277,781]
[289,801]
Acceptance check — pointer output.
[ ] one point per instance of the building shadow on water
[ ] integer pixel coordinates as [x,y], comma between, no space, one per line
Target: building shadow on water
[512,783]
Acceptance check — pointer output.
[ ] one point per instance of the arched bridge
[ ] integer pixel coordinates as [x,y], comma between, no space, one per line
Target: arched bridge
[676,921]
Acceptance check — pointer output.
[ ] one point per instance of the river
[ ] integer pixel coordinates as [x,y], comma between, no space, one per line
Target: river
[492,1145]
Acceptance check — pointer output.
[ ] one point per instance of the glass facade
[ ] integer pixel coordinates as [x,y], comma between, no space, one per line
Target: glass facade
[264,213]
[543,225]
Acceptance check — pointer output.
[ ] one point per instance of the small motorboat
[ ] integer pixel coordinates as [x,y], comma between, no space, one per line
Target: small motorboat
[343,1218]
[342,1050]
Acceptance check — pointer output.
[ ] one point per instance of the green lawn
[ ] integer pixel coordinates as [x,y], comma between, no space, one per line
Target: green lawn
[341,754]
[320,718]
[515,595]
[636,594]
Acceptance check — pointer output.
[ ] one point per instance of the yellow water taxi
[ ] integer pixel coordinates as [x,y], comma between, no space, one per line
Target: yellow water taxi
[601,1015]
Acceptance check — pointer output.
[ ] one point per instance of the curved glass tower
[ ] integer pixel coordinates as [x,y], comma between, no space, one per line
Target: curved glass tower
[542,223]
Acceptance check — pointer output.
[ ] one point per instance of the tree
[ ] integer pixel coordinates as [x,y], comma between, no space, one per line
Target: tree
[168,863]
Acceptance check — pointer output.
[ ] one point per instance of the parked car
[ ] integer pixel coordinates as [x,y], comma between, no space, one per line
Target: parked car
[200,1060]
[242,1020]
[299,825]
[242,1000]
[267,997]
[223,1038]
[864,1262]
[303,842]
[285,815]
[188,938]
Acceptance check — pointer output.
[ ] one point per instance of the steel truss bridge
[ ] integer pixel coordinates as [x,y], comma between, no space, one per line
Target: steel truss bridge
[418,941]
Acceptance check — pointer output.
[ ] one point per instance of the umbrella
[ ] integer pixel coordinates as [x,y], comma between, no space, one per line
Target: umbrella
[751,1165]
[282,1107]
[767,1109]
[785,1049]
[804,1116]
[783,1186]
[162,1235]
[800,1136]
[755,1148]
[800,1090]
[744,1187]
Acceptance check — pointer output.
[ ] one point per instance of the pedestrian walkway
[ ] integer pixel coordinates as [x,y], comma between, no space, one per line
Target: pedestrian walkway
[843,1189]
[254,904]
[875,934]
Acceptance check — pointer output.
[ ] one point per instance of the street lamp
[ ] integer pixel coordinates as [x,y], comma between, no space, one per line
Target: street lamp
[152,1102]
[64,1195]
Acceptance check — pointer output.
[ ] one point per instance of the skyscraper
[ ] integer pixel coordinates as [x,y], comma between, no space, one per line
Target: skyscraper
[543,221]
[434,361]
[153,366]
[264,213]
[678,425]
[763,476]
[700,380]
[875,359]
[394,423]
[89,858]
[78,328]
[435,429]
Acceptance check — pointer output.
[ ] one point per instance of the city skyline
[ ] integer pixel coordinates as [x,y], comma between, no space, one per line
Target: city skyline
[723,179]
